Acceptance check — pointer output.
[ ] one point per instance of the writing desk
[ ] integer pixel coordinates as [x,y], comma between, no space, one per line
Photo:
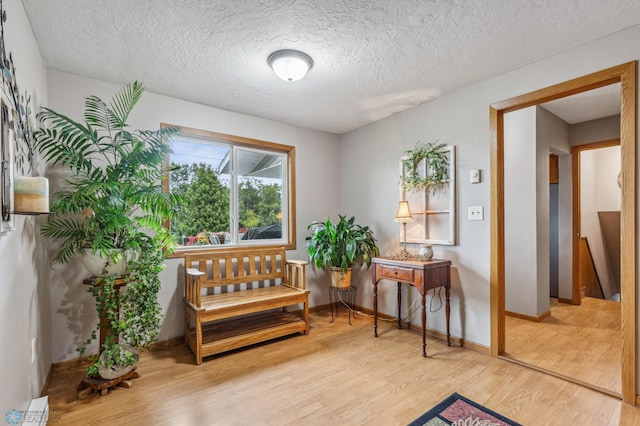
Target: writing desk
[423,275]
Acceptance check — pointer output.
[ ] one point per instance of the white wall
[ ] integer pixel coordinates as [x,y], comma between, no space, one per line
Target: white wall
[599,191]
[553,136]
[565,229]
[530,134]
[602,129]
[520,212]
[24,305]
[317,180]
[369,168]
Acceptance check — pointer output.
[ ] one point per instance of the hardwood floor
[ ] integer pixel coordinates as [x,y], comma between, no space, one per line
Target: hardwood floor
[582,342]
[338,374]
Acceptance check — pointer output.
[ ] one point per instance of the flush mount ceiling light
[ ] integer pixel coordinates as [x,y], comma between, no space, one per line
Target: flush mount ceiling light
[290,65]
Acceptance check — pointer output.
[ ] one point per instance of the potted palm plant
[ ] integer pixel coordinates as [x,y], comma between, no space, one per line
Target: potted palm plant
[113,207]
[339,246]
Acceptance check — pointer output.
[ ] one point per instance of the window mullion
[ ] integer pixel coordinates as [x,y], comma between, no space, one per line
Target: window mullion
[233,202]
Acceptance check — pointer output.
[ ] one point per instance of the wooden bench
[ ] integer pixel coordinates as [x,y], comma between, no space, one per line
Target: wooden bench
[239,297]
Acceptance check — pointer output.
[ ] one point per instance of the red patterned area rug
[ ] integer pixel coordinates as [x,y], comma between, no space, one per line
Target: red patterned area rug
[457,410]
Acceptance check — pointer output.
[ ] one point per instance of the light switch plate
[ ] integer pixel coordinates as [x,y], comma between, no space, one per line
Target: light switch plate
[476,213]
[474,176]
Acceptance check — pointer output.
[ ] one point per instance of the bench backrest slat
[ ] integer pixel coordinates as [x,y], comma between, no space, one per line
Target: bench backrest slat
[239,265]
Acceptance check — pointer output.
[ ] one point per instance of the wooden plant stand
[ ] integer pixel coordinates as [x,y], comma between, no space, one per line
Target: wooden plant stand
[89,384]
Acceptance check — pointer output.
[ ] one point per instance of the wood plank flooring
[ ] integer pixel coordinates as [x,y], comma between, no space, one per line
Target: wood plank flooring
[338,374]
[579,341]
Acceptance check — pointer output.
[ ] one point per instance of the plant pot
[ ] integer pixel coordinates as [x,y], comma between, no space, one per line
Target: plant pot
[95,263]
[116,371]
[340,279]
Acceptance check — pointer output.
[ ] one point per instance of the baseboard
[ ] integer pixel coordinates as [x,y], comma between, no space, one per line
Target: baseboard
[83,361]
[178,340]
[457,341]
[69,364]
[476,347]
[567,301]
[163,344]
[318,308]
[45,386]
[507,357]
[539,318]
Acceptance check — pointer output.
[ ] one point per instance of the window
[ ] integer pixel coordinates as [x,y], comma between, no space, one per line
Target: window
[240,191]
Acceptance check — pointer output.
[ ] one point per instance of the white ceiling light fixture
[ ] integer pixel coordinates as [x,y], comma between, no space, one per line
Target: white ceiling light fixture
[290,65]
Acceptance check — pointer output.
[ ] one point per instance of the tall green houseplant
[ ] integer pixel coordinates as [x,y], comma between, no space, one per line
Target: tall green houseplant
[339,246]
[115,185]
[114,205]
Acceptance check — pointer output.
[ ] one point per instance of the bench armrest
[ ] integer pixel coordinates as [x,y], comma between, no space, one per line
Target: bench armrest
[192,287]
[194,272]
[296,273]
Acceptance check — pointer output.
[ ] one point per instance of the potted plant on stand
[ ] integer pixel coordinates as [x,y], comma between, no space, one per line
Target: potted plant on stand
[113,207]
[339,246]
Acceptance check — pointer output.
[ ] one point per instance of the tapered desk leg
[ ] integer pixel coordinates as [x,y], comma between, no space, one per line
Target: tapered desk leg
[424,326]
[399,303]
[375,309]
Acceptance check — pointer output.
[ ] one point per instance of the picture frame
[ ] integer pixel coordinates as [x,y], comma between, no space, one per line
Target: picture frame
[7,142]
[434,215]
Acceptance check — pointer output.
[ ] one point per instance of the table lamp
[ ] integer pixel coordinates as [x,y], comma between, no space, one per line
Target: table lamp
[404,216]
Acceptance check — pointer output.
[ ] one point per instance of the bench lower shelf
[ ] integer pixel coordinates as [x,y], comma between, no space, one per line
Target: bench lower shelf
[234,333]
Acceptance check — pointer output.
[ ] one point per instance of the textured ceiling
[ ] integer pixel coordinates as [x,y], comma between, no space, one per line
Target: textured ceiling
[372,58]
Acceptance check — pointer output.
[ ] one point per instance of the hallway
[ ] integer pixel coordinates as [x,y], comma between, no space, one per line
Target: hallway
[582,342]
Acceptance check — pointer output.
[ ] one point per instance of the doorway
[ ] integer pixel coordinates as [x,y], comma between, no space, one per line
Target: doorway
[591,271]
[546,339]
[625,75]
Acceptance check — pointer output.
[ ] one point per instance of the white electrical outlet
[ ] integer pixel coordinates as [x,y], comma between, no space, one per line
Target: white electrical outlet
[33,350]
[476,213]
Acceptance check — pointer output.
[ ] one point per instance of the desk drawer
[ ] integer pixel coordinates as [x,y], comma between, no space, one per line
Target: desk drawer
[395,273]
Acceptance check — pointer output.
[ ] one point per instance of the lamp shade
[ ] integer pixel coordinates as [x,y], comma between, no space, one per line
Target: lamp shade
[404,213]
[290,65]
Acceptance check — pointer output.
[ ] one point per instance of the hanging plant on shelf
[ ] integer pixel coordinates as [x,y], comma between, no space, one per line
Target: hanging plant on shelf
[437,168]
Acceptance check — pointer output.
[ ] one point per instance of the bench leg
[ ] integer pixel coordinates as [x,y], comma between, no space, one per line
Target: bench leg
[198,345]
[187,324]
[306,316]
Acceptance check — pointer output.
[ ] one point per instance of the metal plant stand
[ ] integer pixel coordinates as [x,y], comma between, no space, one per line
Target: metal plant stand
[335,296]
